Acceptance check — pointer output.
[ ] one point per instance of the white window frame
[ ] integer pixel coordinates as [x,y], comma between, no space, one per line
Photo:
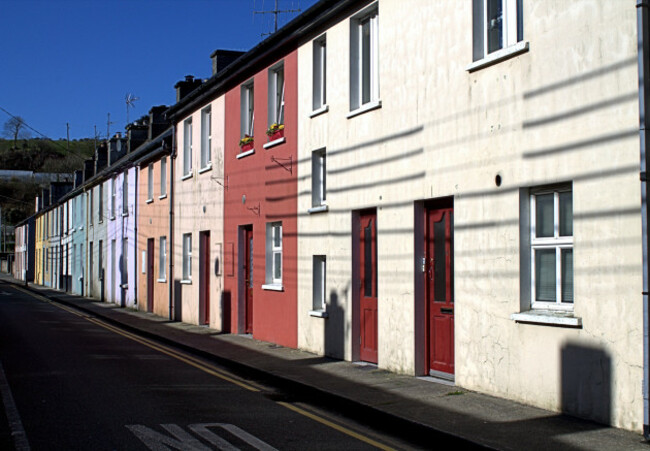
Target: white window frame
[100,203]
[511,26]
[125,194]
[125,263]
[187,147]
[276,94]
[319,278]
[273,249]
[318,180]
[162,259]
[247,108]
[359,76]
[113,196]
[556,242]
[150,183]
[319,73]
[206,137]
[187,258]
[163,178]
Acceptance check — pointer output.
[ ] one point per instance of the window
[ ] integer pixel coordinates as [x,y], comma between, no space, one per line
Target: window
[364,60]
[150,183]
[497,25]
[319,74]
[206,137]
[125,261]
[163,177]
[551,248]
[187,147]
[162,258]
[125,193]
[318,296]
[274,253]
[276,95]
[187,257]
[101,203]
[247,109]
[113,196]
[318,178]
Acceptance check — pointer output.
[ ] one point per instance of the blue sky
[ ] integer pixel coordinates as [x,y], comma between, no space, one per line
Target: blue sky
[74,61]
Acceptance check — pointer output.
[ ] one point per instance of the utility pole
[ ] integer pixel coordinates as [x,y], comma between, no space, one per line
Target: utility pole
[275,11]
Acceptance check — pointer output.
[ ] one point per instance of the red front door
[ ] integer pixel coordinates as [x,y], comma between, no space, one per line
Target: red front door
[204,278]
[248,279]
[368,294]
[439,288]
[150,275]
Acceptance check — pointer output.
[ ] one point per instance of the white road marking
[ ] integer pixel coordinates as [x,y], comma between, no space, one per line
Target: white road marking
[15,424]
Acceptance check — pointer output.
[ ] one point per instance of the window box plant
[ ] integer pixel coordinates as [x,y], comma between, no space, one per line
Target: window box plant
[246,143]
[275,131]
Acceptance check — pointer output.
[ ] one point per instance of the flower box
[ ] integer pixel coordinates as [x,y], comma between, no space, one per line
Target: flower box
[246,143]
[248,146]
[277,135]
[275,131]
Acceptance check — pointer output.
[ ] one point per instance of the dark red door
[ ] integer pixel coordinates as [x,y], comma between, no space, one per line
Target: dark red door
[248,278]
[368,294]
[439,288]
[150,275]
[204,277]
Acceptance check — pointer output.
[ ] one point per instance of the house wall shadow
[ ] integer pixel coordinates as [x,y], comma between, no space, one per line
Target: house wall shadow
[178,301]
[586,382]
[334,327]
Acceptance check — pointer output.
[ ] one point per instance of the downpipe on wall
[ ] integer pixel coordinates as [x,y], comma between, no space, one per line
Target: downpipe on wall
[643,55]
[172,164]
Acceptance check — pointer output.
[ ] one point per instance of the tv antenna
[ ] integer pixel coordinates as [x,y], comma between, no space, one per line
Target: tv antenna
[130,103]
[275,11]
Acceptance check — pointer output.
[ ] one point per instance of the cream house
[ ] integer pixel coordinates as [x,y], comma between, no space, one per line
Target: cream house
[470,202]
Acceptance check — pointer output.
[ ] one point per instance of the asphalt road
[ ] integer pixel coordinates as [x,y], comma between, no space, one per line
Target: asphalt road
[70,382]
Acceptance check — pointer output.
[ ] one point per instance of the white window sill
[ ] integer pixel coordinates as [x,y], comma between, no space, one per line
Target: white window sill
[318,313]
[273,287]
[186,281]
[124,285]
[187,176]
[245,154]
[125,214]
[101,221]
[373,105]
[149,201]
[163,196]
[206,168]
[498,56]
[275,142]
[112,218]
[317,112]
[318,209]
[548,317]
[161,280]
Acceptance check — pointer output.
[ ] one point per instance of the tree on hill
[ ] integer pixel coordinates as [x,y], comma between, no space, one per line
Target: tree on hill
[15,128]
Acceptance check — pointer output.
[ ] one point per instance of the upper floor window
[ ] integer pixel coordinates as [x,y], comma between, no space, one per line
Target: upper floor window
[318,178]
[113,196]
[125,193]
[319,73]
[276,95]
[206,137]
[364,59]
[101,203]
[247,109]
[150,182]
[163,176]
[187,147]
[497,24]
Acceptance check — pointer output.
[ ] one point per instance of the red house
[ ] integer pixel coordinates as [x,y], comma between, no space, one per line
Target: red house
[260,226]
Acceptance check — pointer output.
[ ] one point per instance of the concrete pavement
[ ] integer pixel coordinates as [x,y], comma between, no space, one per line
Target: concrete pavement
[412,405]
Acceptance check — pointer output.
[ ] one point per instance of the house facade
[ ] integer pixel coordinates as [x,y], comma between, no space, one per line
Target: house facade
[260,202]
[25,242]
[457,203]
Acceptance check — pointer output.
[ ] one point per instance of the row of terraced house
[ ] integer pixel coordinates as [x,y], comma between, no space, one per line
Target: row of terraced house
[440,188]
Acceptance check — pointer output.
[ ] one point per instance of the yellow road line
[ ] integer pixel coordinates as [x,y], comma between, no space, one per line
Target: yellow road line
[339,428]
[192,361]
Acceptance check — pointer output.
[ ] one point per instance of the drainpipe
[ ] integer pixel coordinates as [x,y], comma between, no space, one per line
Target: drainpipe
[170,245]
[135,234]
[643,36]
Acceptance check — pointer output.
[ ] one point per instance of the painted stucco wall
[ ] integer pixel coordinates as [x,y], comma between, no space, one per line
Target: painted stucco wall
[97,235]
[79,242]
[262,190]
[564,111]
[153,223]
[198,207]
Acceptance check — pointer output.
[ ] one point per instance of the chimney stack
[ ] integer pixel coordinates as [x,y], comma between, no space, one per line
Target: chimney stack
[184,87]
[223,58]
